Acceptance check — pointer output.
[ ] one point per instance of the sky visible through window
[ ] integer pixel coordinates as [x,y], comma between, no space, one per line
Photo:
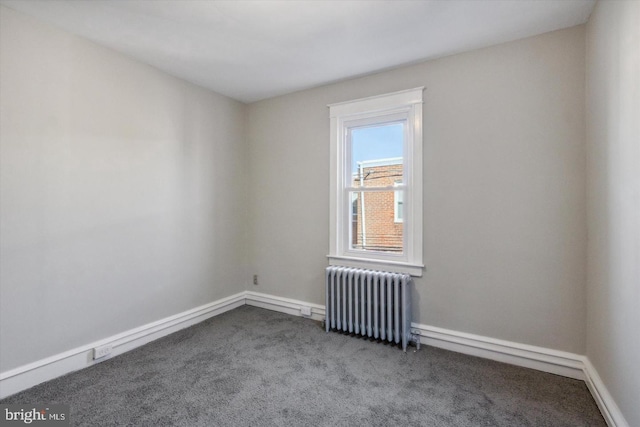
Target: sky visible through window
[376,142]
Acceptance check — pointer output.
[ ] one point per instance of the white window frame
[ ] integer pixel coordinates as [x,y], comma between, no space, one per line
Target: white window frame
[397,199]
[403,105]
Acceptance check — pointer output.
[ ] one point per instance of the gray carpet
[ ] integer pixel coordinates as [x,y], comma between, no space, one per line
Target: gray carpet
[254,367]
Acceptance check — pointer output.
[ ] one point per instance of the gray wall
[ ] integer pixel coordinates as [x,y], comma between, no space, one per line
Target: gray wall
[122,193]
[613,135]
[504,189]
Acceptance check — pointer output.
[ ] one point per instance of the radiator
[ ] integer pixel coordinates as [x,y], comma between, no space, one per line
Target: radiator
[369,303]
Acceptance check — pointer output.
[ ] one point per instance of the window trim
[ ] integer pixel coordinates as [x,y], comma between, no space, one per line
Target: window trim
[406,103]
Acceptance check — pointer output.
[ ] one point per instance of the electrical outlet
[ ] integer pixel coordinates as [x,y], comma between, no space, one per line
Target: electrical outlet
[305,310]
[255,279]
[102,351]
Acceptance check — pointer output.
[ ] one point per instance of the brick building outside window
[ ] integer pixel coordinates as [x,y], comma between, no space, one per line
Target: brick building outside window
[376,217]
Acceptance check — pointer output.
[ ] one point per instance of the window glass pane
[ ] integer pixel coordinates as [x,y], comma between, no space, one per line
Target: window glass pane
[377,155]
[372,222]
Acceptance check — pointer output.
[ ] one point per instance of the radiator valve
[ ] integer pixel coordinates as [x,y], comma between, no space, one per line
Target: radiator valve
[415,337]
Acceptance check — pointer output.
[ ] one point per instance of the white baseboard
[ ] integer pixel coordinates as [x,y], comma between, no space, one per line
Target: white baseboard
[603,398]
[283,305]
[553,361]
[27,376]
[542,359]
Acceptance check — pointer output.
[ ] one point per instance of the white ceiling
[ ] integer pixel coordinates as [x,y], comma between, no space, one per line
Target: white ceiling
[251,50]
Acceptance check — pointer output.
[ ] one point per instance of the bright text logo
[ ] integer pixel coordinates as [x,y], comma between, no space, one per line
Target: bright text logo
[37,415]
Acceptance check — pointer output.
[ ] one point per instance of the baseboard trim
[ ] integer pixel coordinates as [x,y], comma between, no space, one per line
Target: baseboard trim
[283,305]
[542,359]
[29,375]
[608,407]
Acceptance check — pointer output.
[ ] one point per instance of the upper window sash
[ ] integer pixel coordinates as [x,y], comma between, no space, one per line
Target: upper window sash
[350,125]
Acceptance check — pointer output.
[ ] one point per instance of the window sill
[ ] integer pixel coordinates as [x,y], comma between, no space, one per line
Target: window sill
[414,270]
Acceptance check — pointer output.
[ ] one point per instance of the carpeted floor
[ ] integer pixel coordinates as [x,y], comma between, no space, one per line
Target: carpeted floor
[254,367]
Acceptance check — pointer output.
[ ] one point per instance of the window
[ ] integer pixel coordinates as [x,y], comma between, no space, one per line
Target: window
[376,182]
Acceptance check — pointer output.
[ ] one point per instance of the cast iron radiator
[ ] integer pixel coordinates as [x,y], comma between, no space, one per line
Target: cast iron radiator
[369,303]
